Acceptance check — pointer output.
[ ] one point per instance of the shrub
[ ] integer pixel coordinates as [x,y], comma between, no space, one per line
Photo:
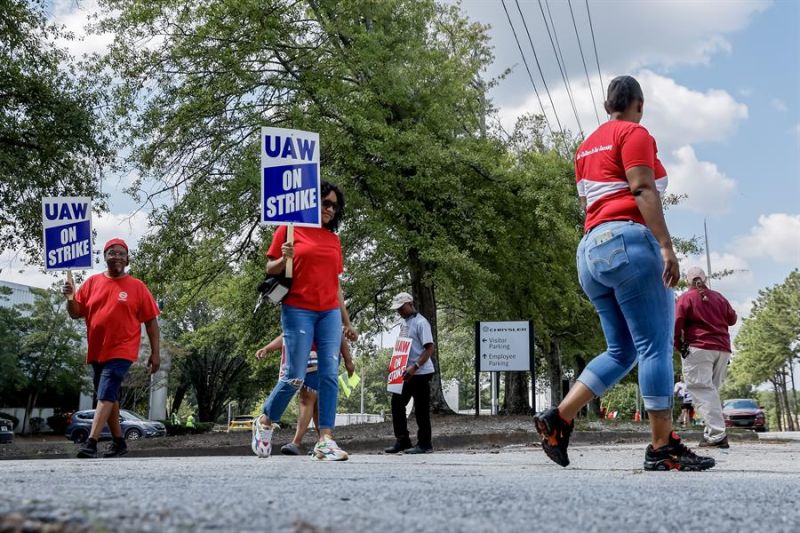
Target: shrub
[178,429]
[58,423]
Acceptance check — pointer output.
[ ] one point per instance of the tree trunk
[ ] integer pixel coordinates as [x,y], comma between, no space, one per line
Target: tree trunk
[787,406]
[425,299]
[177,400]
[26,417]
[515,401]
[777,403]
[553,358]
[794,393]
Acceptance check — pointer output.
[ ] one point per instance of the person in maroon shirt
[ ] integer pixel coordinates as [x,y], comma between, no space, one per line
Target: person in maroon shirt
[702,318]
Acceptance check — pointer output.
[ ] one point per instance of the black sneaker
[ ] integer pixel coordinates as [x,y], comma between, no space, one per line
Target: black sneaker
[720,444]
[675,456]
[398,446]
[88,450]
[555,434]
[418,449]
[117,449]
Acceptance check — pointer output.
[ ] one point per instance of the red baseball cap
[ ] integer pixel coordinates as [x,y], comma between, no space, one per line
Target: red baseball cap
[114,242]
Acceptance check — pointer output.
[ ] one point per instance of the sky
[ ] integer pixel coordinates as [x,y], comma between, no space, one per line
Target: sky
[722,98]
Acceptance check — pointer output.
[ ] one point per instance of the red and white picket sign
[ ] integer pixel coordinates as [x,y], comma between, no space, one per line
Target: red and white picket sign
[398,364]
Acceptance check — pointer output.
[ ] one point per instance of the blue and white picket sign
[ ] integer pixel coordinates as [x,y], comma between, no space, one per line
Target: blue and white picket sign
[67,223]
[290,180]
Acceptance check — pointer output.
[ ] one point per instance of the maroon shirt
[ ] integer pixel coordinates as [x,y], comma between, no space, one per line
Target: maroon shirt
[704,324]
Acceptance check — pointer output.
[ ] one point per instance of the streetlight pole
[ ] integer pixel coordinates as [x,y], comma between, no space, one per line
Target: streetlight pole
[708,254]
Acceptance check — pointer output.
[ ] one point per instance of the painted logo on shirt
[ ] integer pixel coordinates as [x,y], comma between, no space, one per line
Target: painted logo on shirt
[123,296]
[592,151]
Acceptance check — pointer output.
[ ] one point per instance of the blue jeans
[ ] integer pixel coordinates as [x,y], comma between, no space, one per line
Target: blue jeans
[620,267]
[301,328]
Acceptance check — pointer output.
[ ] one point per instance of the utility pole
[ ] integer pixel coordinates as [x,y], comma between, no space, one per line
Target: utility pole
[362,391]
[708,254]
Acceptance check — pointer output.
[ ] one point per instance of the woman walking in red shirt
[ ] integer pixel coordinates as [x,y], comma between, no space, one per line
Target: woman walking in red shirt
[312,313]
[627,268]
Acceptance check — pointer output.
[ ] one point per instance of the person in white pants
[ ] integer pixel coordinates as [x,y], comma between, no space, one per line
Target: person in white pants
[702,318]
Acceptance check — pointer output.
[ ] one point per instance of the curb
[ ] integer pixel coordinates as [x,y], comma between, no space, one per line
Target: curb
[480,441]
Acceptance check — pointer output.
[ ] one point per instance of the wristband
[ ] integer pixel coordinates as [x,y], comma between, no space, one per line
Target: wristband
[416,365]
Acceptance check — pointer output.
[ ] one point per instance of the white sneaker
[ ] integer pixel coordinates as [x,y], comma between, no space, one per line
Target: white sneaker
[328,450]
[262,439]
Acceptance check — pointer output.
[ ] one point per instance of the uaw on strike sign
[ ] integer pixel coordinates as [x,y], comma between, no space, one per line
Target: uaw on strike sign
[290,177]
[398,364]
[67,223]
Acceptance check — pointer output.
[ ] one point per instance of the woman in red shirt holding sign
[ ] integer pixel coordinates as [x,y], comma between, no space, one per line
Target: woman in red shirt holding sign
[627,268]
[312,313]
[114,305]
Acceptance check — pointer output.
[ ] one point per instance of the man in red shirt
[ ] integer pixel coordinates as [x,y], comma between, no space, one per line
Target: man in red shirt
[114,305]
[702,317]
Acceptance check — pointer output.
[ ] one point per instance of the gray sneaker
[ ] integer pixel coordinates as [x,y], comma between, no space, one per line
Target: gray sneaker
[291,449]
[719,444]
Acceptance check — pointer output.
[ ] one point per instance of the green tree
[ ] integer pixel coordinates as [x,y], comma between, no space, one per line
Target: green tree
[52,142]
[389,86]
[768,347]
[12,330]
[50,356]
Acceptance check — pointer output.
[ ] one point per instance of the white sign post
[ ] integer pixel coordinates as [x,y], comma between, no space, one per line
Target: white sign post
[67,232]
[502,346]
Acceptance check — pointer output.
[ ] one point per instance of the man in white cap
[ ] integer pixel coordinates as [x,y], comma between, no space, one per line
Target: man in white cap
[417,378]
[702,318]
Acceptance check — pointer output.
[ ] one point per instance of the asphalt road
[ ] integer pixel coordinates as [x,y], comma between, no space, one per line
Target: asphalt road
[754,487]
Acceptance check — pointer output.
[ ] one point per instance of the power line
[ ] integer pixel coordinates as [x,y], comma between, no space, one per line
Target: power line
[525,62]
[539,66]
[560,61]
[577,36]
[596,57]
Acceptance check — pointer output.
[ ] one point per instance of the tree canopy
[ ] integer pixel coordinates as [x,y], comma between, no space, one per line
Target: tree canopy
[52,138]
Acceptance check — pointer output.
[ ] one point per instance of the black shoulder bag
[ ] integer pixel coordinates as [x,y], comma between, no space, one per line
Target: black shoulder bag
[273,288]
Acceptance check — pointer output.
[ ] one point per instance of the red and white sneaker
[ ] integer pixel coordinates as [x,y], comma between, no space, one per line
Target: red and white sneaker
[262,439]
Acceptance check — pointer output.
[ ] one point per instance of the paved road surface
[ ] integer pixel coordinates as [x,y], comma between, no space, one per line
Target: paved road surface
[754,487]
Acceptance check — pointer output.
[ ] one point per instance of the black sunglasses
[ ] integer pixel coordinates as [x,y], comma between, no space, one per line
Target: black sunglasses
[327,204]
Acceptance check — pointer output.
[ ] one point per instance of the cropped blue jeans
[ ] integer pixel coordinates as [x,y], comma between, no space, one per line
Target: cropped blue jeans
[620,267]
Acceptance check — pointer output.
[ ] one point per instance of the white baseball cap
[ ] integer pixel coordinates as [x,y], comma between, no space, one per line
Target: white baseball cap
[694,273]
[400,299]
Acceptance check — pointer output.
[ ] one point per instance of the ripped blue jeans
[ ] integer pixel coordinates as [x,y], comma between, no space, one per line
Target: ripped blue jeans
[620,267]
[301,329]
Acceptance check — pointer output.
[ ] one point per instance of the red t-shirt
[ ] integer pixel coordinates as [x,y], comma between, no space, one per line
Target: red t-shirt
[114,309]
[704,323]
[318,261]
[600,165]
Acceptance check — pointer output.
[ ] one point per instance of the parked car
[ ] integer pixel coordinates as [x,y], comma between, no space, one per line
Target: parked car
[134,426]
[6,431]
[240,423]
[744,413]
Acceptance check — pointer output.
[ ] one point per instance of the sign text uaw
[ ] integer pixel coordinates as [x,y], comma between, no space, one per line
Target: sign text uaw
[67,229]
